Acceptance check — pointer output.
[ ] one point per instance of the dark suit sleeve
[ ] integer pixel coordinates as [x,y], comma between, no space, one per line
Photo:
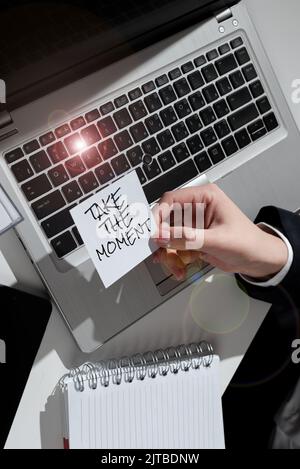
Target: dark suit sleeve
[288,291]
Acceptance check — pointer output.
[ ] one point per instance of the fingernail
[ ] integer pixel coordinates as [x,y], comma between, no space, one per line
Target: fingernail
[164,242]
[179,274]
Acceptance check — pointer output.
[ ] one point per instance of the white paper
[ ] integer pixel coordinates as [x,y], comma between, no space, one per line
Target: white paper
[115,225]
[9,216]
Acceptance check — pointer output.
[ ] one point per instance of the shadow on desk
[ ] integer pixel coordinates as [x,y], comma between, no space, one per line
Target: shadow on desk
[51,422]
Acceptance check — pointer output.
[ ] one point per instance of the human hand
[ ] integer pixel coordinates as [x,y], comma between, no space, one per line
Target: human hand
[229,240]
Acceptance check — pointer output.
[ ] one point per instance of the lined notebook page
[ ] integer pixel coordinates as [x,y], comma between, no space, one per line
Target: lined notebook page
[180,410]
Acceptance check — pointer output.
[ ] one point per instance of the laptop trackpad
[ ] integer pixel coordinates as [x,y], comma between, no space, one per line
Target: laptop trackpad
[165,282]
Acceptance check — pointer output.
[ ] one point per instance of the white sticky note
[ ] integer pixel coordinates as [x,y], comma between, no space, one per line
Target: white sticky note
[116,226]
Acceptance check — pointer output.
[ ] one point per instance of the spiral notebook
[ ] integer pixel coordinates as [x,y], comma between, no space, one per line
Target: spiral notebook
[165,399]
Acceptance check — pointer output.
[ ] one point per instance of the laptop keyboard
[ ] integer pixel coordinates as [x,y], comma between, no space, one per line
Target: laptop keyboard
[169,130]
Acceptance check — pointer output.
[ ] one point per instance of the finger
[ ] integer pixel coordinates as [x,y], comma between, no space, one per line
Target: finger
[181,238]
[171,261]
[188,257]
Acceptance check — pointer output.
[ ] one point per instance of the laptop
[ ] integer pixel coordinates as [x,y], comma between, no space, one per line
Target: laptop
[181,92]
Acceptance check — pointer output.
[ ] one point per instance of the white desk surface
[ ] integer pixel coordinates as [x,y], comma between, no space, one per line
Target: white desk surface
[37,421]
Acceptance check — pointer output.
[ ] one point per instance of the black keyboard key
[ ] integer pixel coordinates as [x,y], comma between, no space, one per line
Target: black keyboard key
[199,61]
[171,180]
[30,147]
[210,93]
[196,101]
[165,139]
[104,173]
[152,170]
[255,126]
[202,161]
[48,204]
[72,191]
[179,131]
[181,87]
[90,135]
[209,72]
[195,80]
[14,155]
[58,175]
[270,121]
[237,42]
[122,118]
[120,164]
[150,146]
[166,160]
[123,140]
[226,64]
[208,116]
[91,157]
[223,49]
[59,222]
[162,80]
[121,101]
[194,143]
[175,73]
[187,67]
[74,166]
[62,131]
[135,155]
[168,116]
[212,54]
[260,133]
[249,72]
[92,115]
[141,175]
[216,154]
[242,56]
[223,85]
[236,79]
[208,136]
[222,128]
[137,110]
[77,236]
[74,143]
[182,108]
[256,89]
[134,94]
[107,108]
[181,152]
[167,94]
[40,161]
[263,105]
[153,124]
[153,103]
[239,98]
[193,123]
[77,123]
[36,187]
[107,149]
[229,145]
[106,126]
[242,117]
[221,108]
[138,132]
[147,87]
[22,170]
[242,138]
[47,138]
[63,244]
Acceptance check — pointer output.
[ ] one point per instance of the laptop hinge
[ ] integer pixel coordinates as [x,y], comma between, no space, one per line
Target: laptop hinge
[224,15]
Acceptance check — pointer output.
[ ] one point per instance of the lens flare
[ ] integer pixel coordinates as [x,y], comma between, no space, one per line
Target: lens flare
[217,305]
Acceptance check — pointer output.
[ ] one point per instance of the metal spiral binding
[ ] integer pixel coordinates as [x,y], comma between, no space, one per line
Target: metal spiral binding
[140,366]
